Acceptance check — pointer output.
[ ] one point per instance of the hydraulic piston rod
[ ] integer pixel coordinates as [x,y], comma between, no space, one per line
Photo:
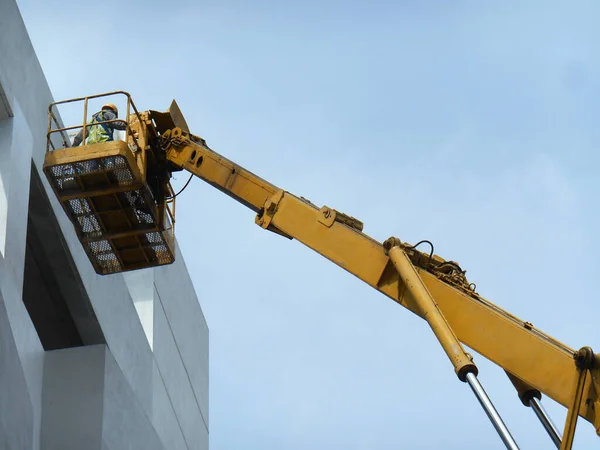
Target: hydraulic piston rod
[541,413]
[532,397]
[464,367]
[491,412]
[462,362]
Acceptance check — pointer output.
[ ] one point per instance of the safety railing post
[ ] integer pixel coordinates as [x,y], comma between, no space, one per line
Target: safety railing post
[85,106]
[48,140]
[127,127]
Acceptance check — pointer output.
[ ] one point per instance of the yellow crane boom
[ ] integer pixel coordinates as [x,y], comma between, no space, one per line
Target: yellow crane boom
[426,284]
[513,344]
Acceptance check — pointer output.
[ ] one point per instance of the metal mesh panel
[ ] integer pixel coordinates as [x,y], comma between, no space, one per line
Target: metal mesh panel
[153,238]
[113,213]
[62,177]
[105,257]
[159,247]
[163,255]
[134,209]
[68,176]
[83,218]
[113,162]
[123,176]
[135,200]
[99,247]
[155,245]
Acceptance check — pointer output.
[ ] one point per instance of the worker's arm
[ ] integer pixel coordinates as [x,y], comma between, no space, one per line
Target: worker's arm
[78,138]
[515,345]
[118,124]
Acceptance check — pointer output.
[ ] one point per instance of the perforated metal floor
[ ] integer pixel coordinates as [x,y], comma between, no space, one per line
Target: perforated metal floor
[112,210]
[85,175]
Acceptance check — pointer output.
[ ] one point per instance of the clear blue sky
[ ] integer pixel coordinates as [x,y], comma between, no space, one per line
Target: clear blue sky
[472,125]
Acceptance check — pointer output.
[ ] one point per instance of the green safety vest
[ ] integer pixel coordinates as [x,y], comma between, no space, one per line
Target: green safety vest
[98,132]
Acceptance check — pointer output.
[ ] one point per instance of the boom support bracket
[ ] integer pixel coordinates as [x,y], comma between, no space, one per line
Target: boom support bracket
[587,364]
[266,214]
[329,216]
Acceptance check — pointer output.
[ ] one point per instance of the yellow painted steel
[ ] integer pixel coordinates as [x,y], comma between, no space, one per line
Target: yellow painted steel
[525,391]
[430,311]
[571,421]
[515,345]
[223,174]
[120,203]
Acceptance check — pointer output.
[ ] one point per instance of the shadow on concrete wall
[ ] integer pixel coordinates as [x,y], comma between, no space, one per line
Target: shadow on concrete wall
[53,292]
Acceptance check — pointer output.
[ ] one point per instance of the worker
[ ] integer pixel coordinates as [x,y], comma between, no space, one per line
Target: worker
[97,132]
[101,132]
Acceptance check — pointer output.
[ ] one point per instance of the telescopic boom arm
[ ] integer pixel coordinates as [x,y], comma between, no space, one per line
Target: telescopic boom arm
[425,284]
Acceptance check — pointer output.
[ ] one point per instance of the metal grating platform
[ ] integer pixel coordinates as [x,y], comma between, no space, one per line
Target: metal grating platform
[85,175]
[112,210]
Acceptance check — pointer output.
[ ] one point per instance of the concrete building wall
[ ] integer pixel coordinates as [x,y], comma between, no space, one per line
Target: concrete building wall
[138,341]
[72,399]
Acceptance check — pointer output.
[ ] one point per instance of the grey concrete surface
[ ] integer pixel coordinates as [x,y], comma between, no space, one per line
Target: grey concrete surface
[16,418]
[138,342]
[17,144]
[87,403]
[188,326]
[5,111]
[62,287]
[125,423]
[73,398]
[164,417]
[176,377]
